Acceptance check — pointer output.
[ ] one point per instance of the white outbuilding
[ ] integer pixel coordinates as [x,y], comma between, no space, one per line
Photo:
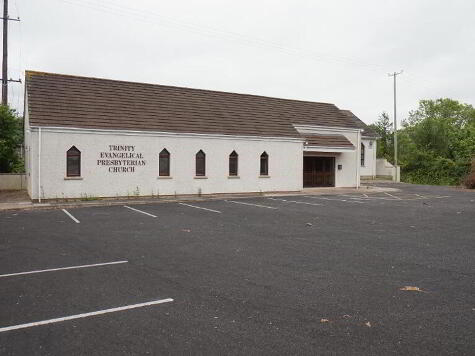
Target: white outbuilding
[89,137]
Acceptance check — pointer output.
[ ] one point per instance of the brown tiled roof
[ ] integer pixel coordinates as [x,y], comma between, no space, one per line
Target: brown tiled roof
[368,131]
[328,141]
[82,102]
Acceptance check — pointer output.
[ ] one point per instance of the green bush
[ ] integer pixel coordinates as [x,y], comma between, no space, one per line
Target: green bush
[469,180]
[438,171]
[11,138]
[437,143]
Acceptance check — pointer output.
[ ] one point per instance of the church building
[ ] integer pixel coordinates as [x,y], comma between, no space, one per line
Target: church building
[91,138]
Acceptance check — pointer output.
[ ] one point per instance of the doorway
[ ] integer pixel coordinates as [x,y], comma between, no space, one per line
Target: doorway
[318,172]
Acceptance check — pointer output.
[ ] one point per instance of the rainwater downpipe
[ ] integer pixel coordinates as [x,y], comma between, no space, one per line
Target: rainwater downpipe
[39,164]
[358,157]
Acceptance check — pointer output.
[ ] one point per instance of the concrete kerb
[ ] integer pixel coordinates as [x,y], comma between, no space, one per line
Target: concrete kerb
[109,202]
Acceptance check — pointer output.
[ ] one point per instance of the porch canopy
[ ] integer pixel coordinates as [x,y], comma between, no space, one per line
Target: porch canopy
[327,143]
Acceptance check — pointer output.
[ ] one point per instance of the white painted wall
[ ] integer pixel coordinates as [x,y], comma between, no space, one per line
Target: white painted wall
[384,168]
[285,164]
[369,168]
[347,176]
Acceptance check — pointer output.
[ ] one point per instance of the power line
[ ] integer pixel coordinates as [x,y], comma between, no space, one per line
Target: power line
[108,7]
[158,19]
[147,16]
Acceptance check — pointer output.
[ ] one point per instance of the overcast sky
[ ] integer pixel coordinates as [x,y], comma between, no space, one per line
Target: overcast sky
[330,51]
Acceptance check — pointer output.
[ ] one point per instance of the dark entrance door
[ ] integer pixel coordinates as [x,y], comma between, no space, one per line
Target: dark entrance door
[319,171]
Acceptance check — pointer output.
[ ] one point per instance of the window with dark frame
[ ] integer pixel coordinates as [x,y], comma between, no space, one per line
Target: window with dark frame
[362,155]
[200,164]
[264,171]
[233,164]
[164,163]
[73,162]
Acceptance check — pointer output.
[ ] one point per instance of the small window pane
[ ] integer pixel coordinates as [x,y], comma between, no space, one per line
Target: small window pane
[264,171]
[73,162]
[164,163]
[200,164]
[362,155]
[233,164]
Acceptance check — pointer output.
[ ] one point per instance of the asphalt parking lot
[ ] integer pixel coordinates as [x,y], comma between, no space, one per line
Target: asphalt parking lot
[384,273]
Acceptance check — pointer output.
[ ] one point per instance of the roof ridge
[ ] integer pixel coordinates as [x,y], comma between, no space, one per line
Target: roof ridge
[29,73]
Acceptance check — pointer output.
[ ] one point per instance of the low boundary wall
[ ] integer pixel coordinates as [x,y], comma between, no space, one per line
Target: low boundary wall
[386,169]
[12,181]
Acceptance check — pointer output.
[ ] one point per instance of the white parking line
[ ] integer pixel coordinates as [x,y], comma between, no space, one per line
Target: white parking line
[392,197]
[140,211]
[362,198]
[62,268]
[71,216]
[354,197]
[343,200]
[436,196]
[296,202]
[396,197]
[258,205]
[84,315]
[199,207]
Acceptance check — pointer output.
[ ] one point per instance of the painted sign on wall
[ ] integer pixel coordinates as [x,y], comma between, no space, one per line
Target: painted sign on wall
[121,159]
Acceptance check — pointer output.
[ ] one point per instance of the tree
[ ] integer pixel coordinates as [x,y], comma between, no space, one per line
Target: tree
[437,142]
[11,138]
[385,143]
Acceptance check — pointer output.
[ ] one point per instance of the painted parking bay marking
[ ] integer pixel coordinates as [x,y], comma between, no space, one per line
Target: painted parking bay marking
[199,207]
[63,268]
[84,315]
[365,198]
[343,200]
[296,202]
[71,216]
[368,198]
[433,196]
[392,197]
[257,205]
[140,211]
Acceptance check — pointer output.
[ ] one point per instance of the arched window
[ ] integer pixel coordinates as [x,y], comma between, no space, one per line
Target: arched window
[264,171]
[200,163]
[362,155]
[233,164]
[73,162]
[164,163]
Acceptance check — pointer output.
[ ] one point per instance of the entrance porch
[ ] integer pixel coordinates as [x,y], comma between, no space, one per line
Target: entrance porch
[318,171]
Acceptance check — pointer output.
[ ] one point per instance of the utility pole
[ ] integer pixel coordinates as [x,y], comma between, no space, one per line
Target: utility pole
[394,75]
[5,79]
[5,54]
